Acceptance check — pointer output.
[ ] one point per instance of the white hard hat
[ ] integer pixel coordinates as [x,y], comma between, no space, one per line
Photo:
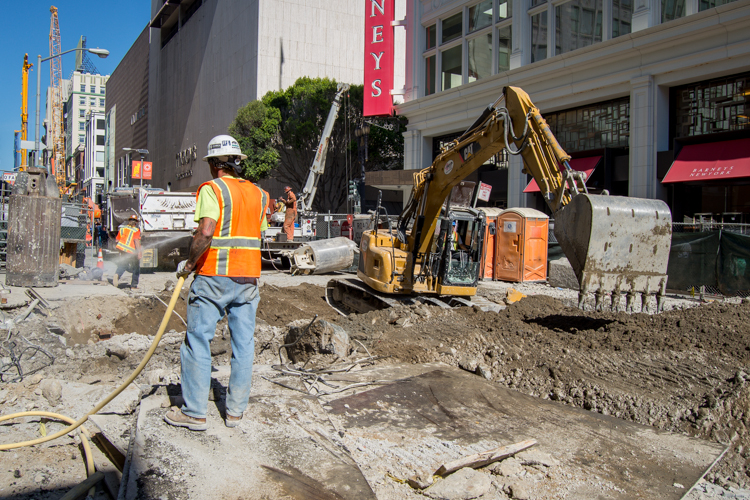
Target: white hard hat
[224,145]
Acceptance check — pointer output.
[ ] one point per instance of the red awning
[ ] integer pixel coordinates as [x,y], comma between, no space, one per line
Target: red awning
[581,164]
[711,161]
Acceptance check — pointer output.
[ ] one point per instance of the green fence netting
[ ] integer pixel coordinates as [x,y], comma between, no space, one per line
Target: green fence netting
[716,260]
[692,260]
[734,263]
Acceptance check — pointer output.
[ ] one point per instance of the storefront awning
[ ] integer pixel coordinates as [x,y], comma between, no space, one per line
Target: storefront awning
[586,165]
[711,161]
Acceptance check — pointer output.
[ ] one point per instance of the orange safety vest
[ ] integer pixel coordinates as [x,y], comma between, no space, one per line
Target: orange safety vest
[235,247]
[125,237]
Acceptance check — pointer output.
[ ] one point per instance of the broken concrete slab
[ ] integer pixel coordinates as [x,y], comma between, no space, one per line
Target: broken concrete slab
[283,448]
[463,484]
[441,415]
[77,398]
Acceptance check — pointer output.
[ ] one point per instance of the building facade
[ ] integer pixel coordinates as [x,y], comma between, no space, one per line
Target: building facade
[85,97]
[626,82]
[93,160]
[127,113]
[208,58]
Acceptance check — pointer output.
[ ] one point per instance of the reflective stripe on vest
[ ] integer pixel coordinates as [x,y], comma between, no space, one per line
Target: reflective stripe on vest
[125,239]
[235,247]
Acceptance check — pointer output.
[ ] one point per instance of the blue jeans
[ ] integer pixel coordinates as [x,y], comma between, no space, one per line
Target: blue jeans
[210,297]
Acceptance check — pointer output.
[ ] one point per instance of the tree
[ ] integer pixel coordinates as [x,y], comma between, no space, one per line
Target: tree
[302,112]
[256,127]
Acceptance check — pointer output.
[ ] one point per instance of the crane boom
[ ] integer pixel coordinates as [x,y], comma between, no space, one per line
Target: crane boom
[318,167]
[56,132]
[25,107]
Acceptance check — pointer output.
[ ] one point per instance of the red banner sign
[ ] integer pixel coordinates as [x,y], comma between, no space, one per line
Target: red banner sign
[378,57]
[137,170]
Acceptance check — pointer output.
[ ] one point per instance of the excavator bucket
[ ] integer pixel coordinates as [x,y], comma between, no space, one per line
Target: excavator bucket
[616,245]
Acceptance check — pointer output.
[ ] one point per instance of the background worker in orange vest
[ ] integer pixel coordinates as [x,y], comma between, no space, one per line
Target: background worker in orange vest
[225,255]
[129,245]
[290,215]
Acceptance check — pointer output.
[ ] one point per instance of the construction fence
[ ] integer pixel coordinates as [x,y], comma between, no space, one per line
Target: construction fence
[713,257]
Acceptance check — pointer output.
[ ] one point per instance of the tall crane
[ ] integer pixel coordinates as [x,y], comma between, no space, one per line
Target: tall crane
[56,134]
[25,108]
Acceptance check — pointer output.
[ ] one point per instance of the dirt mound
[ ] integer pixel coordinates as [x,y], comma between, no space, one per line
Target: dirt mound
[281,306]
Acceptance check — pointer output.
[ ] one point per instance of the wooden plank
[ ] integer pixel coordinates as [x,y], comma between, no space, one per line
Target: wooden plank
[484,458]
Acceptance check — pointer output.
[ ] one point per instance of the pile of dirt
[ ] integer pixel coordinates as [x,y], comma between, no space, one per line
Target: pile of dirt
[281,306]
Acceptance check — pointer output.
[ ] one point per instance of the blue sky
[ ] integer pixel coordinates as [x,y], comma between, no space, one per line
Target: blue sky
[25,29]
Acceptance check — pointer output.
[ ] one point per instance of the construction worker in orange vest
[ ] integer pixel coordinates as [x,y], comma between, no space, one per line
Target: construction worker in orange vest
[290,215]
[225,255]
[129,245]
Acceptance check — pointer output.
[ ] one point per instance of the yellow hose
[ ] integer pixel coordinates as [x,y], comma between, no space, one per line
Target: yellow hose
[84,438]
[113,395]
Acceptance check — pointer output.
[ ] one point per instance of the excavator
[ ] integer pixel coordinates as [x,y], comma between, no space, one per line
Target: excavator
[616,245]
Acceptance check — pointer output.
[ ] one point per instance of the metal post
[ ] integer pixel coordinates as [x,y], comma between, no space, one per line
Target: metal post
[37,140]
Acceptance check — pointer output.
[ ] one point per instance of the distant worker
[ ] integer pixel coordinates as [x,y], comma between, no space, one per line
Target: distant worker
[267,211]
[225,255]
[290,215]
[129,245]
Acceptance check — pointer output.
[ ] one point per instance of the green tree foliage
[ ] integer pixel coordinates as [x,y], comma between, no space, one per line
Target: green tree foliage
[256,127]
[297,116]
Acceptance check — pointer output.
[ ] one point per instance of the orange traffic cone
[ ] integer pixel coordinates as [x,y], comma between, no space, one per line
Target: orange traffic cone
[100,260]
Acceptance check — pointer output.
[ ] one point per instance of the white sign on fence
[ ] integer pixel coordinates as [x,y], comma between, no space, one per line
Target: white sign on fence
[9,177]
[484,191]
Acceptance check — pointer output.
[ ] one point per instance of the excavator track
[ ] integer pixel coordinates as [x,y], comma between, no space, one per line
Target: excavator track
[352,296]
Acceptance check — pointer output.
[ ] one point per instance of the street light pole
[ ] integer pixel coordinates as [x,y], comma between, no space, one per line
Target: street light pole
[37,140]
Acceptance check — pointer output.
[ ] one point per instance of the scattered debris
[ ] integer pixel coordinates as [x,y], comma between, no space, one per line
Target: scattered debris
[486,458]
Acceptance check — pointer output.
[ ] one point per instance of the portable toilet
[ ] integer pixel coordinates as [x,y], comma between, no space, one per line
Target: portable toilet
[521,245]
[490,228]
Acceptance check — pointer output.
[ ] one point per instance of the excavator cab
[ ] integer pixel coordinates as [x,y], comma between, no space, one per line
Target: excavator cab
[462,233]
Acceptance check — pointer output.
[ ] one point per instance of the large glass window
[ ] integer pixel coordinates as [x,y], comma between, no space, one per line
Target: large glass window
[480,15]
[505,9]
[504,48]
[451,71]
[480,57]
[710,4]
[92,89]
[577,24]
[101,90]
[429,74]
[539,36]
[595,126]
[712,106]
[672,9]
[430,36]
[452,28]
[81,139]
[534,3]
[81,126]
[83,88]
[622,17]
[81,113]
[82,101]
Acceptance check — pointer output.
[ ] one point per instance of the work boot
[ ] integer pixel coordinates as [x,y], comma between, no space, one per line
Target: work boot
[176,417]
[115,280]
[233,421]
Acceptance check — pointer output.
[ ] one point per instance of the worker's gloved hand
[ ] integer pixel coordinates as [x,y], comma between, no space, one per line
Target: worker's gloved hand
[181,272]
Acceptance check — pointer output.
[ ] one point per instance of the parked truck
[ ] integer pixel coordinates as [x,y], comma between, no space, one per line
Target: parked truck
[166,221]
